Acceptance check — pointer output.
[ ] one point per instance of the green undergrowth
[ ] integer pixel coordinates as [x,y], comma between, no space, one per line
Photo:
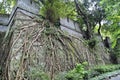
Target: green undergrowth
[105,75]
[80,73]
[102,69]
[97,73]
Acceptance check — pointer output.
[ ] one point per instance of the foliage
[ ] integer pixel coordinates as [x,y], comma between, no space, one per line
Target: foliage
[6,6]
[61,76]
[77,73]
[96,73]
[92,42]
[89,15]
[54,9]
[111,27]
[37,74]
[100,69]
[107,68]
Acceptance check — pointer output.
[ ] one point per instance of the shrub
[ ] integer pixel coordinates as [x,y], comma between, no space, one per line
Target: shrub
[77,73]
[38,74]
[96,71]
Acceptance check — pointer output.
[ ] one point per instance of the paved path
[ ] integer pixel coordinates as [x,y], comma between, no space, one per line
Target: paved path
[115,78]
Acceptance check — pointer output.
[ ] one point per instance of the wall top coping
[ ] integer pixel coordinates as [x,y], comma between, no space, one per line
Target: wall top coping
[29,8]
[25,6]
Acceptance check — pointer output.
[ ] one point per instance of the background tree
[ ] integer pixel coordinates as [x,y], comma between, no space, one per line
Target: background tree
[111,26]
[91,14]
[6,6]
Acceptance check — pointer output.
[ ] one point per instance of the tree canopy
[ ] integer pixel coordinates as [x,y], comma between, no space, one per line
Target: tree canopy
[112,19]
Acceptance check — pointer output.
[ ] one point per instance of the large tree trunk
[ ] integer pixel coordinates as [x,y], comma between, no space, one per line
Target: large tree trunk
[4,56]
[88,32]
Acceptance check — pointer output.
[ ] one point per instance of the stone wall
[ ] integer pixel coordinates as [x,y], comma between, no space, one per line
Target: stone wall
[24,25]
[28,48]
